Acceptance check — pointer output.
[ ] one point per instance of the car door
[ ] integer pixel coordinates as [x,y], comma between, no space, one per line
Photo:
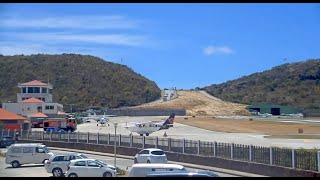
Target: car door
[94,169]
[143,156]
[27,155]
[80,168]
[39,155]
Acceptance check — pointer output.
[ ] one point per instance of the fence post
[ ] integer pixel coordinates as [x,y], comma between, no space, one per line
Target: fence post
[131,140]
[232,150]
[250,152]
[198,147]
[87,137]
[215,149]
[21,133]
[42,135]
[8,132]
[157,142]
[2,132]
[143,141]
[119,139]
[183,145]
[59,135]
[68,136]
[271,155]
[50,135]
[28,132]
[318,158]
[98,138]
[108,138]
[293,159]
[169,144]
[77,136]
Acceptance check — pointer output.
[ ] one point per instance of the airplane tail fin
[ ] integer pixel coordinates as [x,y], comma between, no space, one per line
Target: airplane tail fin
[170,120]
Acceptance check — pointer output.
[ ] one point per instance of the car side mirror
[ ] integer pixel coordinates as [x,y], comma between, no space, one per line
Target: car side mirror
[41,151]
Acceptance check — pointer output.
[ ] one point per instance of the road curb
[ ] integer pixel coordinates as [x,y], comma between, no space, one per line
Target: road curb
[220,170]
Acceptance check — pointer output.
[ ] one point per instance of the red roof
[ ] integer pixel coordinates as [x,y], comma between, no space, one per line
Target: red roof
[34,83]
[7,115]
[32,100]
[39,114]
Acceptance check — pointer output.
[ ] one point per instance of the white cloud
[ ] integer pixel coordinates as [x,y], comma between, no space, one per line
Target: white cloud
[111,39]
[210,50]
[82,22]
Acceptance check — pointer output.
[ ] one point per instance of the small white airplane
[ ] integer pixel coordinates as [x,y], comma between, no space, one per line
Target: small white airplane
[104,120]
[94,116]
[150,127]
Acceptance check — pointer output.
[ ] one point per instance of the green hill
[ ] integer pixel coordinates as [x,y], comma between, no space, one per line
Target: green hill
[295,84]
[78,80]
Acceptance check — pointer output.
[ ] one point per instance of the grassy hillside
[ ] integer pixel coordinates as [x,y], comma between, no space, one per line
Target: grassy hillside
[80,80]
[295,84]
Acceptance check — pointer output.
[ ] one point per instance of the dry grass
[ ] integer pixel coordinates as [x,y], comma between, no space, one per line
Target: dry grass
[196,103]
[247,126]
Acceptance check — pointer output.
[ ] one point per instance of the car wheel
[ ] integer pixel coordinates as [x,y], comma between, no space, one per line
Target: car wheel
[73,175]
[15,164]
[141,134]
[147,134]
[135,161]
[57,172]
[107,174]
[44,161]
[148,161]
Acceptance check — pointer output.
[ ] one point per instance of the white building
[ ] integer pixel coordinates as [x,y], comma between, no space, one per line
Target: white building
[35,97]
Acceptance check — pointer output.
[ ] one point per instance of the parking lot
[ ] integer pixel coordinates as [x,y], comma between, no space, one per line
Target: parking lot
[38,170]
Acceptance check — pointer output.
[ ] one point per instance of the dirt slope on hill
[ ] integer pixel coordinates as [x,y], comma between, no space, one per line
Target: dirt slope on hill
[196,103]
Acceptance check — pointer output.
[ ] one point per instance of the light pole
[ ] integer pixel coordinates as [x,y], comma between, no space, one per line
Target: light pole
[115,144]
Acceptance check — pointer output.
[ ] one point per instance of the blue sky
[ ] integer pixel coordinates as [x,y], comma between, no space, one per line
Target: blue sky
[175,45]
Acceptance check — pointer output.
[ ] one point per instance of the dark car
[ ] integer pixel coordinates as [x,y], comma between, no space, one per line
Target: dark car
[181,174]
[6,141]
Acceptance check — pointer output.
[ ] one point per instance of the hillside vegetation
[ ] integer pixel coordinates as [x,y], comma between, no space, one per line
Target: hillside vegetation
[78,80]
[295,84]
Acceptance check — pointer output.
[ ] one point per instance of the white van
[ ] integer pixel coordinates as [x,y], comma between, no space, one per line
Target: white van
[141,170]
[27,153]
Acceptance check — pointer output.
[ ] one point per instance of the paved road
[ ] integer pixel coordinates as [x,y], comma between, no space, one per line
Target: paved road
[34,170]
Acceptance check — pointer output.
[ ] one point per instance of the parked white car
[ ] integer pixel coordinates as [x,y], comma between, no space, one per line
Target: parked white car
[90,168]
[27,153]
[57,164]
[142,170]
[150,155]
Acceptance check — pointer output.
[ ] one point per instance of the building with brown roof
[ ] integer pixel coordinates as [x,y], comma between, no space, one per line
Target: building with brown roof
[13,121]
[35,96]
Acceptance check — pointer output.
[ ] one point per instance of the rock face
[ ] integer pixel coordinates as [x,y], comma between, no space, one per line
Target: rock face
[197,103]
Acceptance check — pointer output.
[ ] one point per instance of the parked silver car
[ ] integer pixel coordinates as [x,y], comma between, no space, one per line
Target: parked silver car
[57,164]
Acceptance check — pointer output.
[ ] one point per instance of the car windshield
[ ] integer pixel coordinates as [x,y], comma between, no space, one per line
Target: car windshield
[7,138]
[157,152]
[83,156]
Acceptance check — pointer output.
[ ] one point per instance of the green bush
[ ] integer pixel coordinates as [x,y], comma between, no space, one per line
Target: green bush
[120,171]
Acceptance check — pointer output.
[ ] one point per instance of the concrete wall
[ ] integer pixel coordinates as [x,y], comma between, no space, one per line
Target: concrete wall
[146,112]
[256,168]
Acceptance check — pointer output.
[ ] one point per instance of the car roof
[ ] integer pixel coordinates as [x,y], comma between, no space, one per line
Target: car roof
[28,144]
[158,165]
[182,174]
[75,160]
[153,149]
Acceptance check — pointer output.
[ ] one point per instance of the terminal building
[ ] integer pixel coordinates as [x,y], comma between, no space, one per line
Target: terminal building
[34,97]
